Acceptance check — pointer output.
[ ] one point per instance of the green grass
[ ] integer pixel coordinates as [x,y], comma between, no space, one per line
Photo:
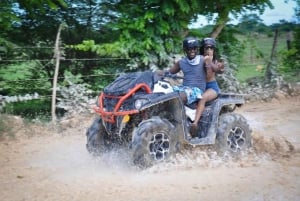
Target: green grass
[247,72]
[257,53]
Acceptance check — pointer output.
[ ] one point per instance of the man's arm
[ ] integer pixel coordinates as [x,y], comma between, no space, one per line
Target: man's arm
[173,70]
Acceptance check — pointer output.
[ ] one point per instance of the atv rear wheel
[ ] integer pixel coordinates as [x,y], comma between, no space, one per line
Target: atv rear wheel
[234,134]
[97,137]
[155,140]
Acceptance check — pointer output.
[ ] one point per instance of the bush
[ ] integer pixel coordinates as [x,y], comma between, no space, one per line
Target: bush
[31,109]
[291,63]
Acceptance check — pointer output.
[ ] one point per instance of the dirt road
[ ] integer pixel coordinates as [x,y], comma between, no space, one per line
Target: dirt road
[41,164]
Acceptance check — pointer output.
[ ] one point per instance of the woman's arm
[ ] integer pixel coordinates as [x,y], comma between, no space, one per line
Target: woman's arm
[217,67]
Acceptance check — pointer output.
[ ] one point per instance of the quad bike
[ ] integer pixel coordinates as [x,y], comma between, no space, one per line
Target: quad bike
[140,111]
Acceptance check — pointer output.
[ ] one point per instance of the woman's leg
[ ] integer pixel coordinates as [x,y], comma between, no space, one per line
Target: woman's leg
[208,95]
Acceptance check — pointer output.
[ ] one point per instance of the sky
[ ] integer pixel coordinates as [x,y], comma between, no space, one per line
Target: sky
[270,16]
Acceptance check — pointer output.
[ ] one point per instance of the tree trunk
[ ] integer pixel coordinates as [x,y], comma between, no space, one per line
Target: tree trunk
[221,22]
[217,29]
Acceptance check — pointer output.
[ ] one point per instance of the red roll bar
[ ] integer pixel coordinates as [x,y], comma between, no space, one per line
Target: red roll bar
[110,116]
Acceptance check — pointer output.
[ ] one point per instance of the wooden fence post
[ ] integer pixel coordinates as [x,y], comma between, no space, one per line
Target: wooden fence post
[269,70]
[57,55]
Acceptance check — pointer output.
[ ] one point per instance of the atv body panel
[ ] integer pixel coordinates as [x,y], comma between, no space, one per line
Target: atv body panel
[131,106]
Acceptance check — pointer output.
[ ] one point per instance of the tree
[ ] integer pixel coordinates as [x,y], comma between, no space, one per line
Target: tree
[148,31]
[250,22]
[7,17]
[9,10]
[291,59]
[235,7]
[151,30]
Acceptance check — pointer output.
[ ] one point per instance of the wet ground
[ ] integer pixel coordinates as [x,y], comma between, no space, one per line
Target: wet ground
[43,164]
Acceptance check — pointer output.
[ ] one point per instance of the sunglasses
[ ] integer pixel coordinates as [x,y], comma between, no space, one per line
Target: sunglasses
[209,47]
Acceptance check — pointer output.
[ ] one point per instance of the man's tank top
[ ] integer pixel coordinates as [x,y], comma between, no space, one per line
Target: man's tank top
[194,73]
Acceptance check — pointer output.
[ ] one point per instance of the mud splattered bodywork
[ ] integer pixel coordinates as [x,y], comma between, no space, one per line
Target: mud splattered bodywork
[140,111]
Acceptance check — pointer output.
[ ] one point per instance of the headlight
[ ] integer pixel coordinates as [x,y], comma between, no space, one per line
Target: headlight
[139,103]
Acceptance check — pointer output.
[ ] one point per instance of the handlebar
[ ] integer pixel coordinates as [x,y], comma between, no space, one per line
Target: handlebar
[173,76]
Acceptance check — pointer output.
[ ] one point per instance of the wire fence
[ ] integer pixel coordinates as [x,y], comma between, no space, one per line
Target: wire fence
[5,60]
[26,97]
[64,59]
[61,77]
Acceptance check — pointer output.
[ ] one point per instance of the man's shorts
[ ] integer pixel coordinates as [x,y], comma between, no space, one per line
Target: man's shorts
[192,93]
[214,86]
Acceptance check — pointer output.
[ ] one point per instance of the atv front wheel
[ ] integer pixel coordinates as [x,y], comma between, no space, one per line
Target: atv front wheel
[155,140]
[97,141]
[234,134]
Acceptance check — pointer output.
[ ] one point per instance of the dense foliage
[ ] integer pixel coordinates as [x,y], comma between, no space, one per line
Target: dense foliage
[103,38]
[291,59]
